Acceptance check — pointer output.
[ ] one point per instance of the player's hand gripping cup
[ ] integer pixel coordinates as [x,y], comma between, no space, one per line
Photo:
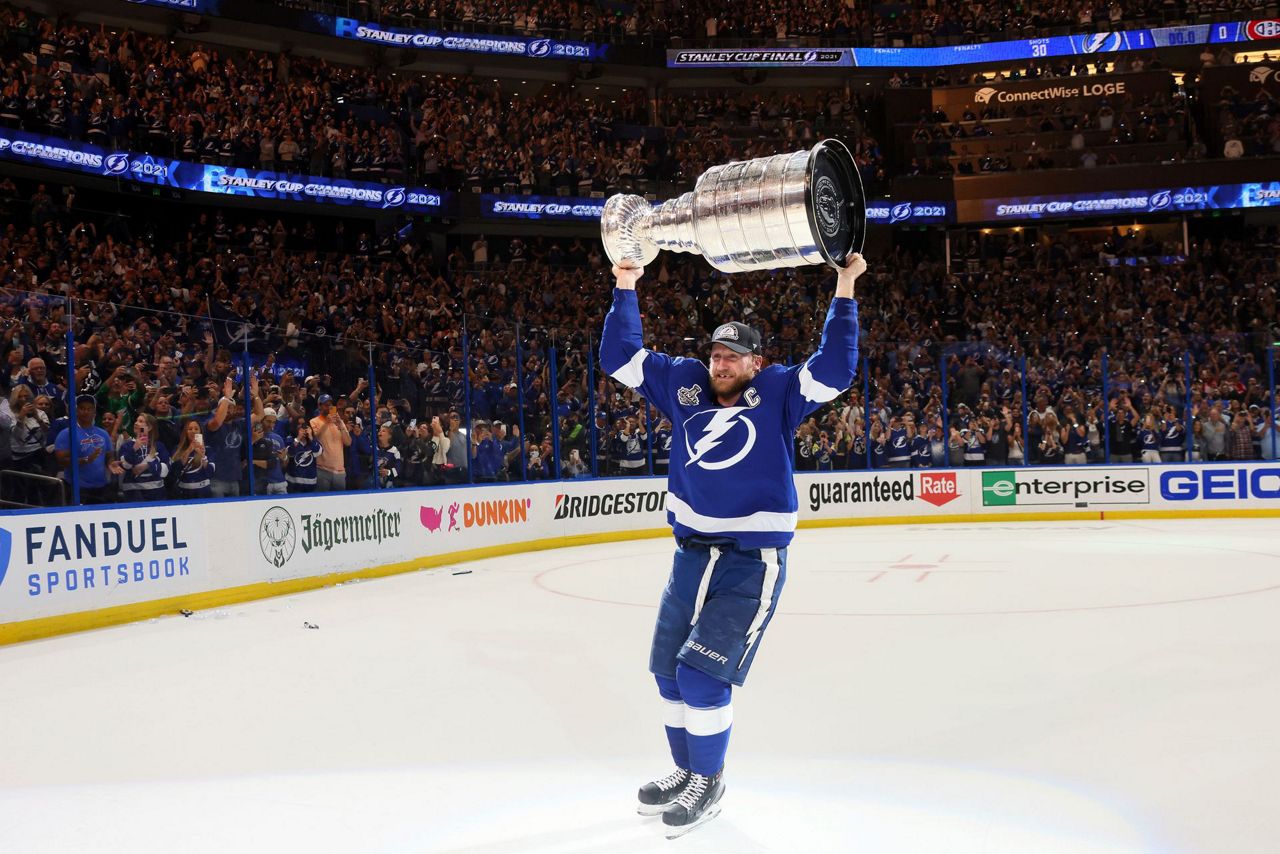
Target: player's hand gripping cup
[731,498]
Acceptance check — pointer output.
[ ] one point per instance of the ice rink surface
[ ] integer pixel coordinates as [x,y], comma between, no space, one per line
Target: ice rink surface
[1030,688]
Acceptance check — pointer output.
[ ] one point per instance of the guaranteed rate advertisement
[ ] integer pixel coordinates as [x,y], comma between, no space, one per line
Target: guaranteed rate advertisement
[56,153]
[444,40]
[971,54]
[1158,201]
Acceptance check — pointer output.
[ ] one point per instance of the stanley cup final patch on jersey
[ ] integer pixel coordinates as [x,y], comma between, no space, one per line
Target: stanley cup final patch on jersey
[689,396]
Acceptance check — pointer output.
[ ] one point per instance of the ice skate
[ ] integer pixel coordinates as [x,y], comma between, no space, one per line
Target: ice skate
[697,804]
[655,797]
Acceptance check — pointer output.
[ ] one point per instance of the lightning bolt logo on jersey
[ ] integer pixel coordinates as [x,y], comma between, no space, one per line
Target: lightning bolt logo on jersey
[731,466]
[720,428]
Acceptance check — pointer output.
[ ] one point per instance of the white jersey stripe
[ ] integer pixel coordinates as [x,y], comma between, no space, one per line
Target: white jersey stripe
[631,374]
[763,520]
[767,587]
[708,721]
[673,713]
[704,584]
[814,390]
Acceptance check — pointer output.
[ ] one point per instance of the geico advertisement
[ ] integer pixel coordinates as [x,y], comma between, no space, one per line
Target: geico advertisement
[59,563]
[1211,485]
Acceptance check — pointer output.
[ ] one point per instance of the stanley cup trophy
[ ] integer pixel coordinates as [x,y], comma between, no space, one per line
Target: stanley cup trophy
[788,210]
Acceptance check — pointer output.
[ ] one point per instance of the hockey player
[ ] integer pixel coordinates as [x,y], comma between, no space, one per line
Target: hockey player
[732,506]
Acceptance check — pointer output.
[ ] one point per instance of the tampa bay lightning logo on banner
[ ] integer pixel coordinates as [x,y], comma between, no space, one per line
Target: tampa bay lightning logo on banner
[811,56]
[393,198]
[540,47]
[6,543]
[900,212]
[721,438]
[116,164]
[1101,42]
[1161,200]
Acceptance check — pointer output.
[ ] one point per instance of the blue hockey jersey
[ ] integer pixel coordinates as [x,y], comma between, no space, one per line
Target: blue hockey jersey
[731,467]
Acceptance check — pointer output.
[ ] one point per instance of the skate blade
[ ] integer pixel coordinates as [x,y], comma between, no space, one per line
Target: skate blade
[677,832]
[650,810]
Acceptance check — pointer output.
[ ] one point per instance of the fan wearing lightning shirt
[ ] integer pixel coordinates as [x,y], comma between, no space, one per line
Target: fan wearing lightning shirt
[732,505]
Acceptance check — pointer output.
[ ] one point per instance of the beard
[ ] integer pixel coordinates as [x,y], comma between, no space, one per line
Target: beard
[730,386]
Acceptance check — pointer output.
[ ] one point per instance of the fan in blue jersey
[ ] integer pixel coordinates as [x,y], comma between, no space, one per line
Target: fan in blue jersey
[144,462]
[303,451]
[662,447]
[1149,438]
[921,452]
[898,448]
[1173,437]
[732,505]
[195,469]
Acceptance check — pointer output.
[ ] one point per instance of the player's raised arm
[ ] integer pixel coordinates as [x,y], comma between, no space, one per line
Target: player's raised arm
[831,369]
[622,352]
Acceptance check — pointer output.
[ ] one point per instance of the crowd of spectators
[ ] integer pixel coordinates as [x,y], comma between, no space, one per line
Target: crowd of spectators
[129,90]
[132,91]
[715,127]
[1247,126]
[163,401]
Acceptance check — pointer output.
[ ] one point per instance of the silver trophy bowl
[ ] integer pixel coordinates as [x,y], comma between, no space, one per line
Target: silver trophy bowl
[789,210]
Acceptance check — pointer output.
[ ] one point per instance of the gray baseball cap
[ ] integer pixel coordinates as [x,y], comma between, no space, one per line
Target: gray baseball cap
[737,337]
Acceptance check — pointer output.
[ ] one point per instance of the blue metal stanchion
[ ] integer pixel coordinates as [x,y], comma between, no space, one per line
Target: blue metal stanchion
[1271,396]
[1106,413]
[1026,413]
[248,406]
[373,416]
[554,404]
[524,456]
[1186,405]
[73,429]
[591,409]
[866,409]
[946,416]
[648,435]
[466,389]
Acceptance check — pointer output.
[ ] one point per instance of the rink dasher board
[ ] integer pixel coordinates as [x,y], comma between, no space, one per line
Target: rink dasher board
[72,569]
